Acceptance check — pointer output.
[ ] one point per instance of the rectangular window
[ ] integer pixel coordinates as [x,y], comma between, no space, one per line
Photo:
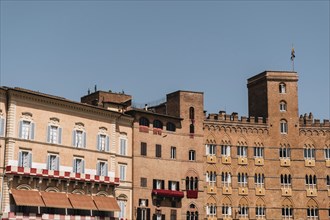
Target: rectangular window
[173,152]
[26,130]
[260,212]
[241,151]
[259,179]
[123,143]
[226,211]
[173,185]
[259,152]
[103,142]
[192,156]
[285,153]
[143,149]
[25,159]
[158,184]
[122,173]
[53,162]
[309,153]
[54,134]
[79,138]
[242,179]
[102,168]
[158,150]
[143,181]
[173,214]
[210,149]
[287,213]
[327,153]
[226,179]
[78,165]
[122,207]
[243,211]
[312,213]
[225,150]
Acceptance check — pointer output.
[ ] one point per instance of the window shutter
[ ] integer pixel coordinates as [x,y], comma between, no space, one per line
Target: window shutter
[59,141]
[98,146]
[106,169]
[74,138]
[20,159]
[163,184]
[178,186]
[32,131]
[84,139]
[98,169]
[107,143]
[147,204]
[57,165]
[48,162]
[20,129]
[74,166]
[82,166]
[2,126]
[169,185]
[30,159]
[154,184]
[48,134]
[148,212]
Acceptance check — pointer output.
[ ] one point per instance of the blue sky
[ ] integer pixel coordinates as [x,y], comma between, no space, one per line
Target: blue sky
[151,48]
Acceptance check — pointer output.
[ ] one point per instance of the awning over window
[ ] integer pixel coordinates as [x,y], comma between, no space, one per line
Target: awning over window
[104,203]
[56,200]
[167,193]
[27,198]
[82,202]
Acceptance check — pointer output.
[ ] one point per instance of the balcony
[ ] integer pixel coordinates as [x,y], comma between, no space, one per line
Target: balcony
[311,192]
[211,159]
[285,162]
[242,161]
[286,192]
[211,190]
[260,191]
[243,191]
[309,163]
[192,194]
[167,193]
[258,161]
[226,159]
[227,190]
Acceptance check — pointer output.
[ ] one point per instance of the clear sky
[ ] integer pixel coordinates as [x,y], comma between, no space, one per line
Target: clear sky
[151,48]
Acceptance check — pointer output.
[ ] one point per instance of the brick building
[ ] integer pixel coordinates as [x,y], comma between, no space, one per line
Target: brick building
[167,161]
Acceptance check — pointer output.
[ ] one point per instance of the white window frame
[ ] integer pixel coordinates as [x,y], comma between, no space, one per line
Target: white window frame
[226,211]
[225,150]
[259,180]
[79,138]
[286,153]
[122,206]
[283,106]
[226,178]
[25,159]
[309,153]
[192,155]
[211,149]
[54,134]
[123,146]
[288,212]
[173,152]
[122,172]
[242,179]
[211,210]
[2,127]
[282,88]
[286,182]
[159,184]
[258,152]
[327,153]
[284,127]
[260,212]
[103,142]
[53,162]
[102,168]
[242,151]
[78,165]
[313,213]
[243,211]
[26,129]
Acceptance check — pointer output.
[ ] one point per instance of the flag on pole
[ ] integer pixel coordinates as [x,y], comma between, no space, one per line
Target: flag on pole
[292,54]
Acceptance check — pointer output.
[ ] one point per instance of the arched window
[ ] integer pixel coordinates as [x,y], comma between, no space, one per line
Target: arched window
[158,124]
[144,121]
[310,181]
[309,152]
[286,180]
[170,126]
[191,183]
[226,178]
[282,88]
[242,179]
[283,106]
[191,113]
[284,126]
[259,179]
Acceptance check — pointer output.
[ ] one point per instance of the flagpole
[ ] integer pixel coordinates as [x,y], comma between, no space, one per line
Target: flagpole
[292,57]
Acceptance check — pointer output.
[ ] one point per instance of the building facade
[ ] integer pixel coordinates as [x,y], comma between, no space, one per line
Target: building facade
[103,158]
[62,158]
